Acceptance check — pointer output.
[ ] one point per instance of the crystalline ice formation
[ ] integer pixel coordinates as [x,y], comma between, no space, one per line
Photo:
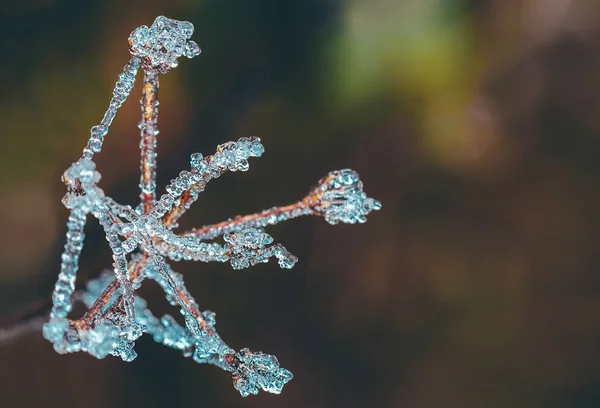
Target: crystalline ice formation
[160,45]
[341,198]
[142,239]
[255,371]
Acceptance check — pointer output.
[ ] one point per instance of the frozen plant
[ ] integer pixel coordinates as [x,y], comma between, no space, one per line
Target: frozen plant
[142,239]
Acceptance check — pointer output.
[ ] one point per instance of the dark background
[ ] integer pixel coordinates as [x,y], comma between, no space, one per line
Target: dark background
[476,123]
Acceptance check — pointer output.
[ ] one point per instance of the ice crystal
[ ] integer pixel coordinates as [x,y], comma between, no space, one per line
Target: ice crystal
[142,239]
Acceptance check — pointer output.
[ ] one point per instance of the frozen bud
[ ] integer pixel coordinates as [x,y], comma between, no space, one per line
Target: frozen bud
[340,198]
[160,45]
[285,259]
[252,372]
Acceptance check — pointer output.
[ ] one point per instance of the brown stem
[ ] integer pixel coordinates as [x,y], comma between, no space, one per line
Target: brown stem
[148,142]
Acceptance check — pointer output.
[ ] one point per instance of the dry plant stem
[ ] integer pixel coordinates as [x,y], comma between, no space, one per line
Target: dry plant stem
[149,130]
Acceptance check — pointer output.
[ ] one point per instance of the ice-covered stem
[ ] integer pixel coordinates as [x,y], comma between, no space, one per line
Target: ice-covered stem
[250,371]
[177,294]
[244,248]
[149,131]
[158,47]
[120,263]
[81,198]
[167,331]
[134,272]
[121,91]
[184,190]
[338,197]
[65,285]
[259,220]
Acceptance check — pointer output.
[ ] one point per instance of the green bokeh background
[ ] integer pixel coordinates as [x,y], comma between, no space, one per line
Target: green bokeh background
[476,123]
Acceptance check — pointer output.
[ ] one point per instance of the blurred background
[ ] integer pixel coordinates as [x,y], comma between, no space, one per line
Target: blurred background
[475,123]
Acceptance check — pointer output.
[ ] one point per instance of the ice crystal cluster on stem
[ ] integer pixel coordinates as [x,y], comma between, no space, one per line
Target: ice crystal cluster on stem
[142,238]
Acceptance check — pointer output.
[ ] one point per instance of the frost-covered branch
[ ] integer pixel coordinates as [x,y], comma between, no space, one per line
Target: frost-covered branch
[142,240]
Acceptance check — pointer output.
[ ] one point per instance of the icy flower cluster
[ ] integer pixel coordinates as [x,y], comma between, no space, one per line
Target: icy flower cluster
[248,247]
[142,239]
[255,371]
[160,45]
[341,198]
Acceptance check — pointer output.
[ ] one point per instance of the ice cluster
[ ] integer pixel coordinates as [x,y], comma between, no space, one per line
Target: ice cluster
[342,199]
[142,239]
[160,45]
